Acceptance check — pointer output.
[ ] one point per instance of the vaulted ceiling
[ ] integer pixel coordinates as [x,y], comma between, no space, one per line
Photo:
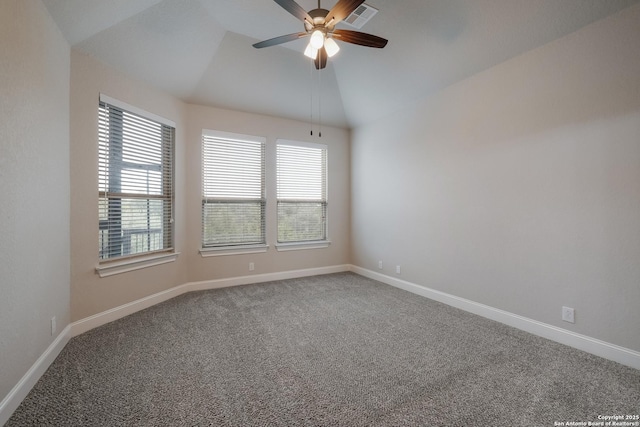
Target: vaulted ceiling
[201,50]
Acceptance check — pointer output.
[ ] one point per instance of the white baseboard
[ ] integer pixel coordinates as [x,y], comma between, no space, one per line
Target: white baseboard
[17,394]
[594,346]
[88,323]
[267,277]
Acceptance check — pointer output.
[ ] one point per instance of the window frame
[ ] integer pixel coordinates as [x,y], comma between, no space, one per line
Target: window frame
[304,244]
[128,262]
[233,248]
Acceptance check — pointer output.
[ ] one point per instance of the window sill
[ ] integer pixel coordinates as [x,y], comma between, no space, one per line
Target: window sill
[233,250]
[124,266]
[295,246]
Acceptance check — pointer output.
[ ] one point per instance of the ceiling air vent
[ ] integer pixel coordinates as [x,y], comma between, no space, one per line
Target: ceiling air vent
[361,15]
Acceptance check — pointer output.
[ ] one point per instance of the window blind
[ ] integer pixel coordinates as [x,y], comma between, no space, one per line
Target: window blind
[301,192]
[135,183]
[233,190]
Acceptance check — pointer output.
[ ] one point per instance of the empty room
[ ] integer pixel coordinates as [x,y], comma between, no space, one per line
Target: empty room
[335,212]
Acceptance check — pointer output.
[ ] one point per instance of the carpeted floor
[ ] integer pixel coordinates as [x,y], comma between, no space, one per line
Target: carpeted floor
[334,350]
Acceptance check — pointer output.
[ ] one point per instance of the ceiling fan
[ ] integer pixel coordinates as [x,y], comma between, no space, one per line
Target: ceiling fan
[319,24]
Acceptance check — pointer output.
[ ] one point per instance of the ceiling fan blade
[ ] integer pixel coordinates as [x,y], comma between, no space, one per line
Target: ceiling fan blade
[279,40]
[321,59]
[295,9]
[356,37]
[341,10]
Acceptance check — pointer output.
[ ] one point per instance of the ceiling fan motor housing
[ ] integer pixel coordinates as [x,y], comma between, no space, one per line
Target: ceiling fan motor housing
[318,16]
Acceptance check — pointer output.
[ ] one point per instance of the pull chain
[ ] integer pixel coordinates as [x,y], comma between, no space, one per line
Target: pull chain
[311,97]
[311,87]
[319,103]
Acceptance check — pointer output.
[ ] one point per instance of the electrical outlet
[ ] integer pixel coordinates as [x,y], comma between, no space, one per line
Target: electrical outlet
[53,325]
[251,266]
[380,265]
[397,269]
[568,314]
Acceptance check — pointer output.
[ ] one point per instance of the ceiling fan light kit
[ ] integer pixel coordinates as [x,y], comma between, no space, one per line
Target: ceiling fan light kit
[318,41]
[319,25]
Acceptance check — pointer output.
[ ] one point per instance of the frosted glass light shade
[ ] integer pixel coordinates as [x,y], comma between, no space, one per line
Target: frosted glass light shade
[331,47]
[311,52]
[317,39]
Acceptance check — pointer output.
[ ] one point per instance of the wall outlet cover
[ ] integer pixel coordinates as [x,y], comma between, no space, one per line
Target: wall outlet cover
[568,314]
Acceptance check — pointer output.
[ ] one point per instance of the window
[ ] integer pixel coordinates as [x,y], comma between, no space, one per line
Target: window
[233,190]
[135,181]
[301,192]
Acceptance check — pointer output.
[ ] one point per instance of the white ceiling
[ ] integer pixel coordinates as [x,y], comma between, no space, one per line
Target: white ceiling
[200,50]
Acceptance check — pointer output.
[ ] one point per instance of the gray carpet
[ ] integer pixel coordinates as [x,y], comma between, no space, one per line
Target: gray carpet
[334,350]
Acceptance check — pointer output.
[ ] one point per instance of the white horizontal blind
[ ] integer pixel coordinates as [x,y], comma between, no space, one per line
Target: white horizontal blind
[233,190]
[135,183]
[301,192]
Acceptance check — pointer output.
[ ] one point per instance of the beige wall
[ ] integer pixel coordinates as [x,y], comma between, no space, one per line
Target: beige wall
[34,186]
[272,128]
[518,188]
[91,294]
